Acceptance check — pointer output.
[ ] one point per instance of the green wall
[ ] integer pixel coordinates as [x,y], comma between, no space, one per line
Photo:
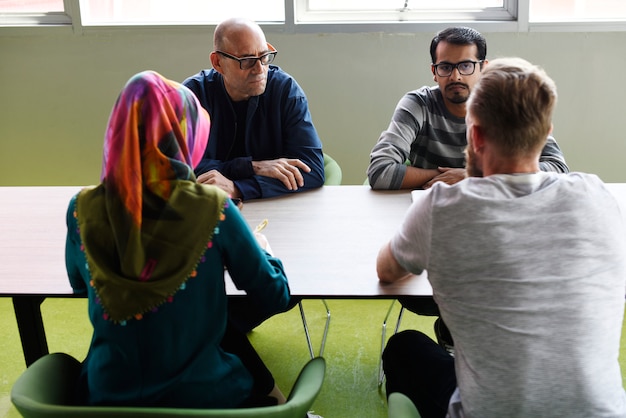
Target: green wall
[57,89]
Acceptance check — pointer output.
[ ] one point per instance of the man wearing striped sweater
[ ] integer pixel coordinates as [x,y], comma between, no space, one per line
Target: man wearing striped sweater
[425,141]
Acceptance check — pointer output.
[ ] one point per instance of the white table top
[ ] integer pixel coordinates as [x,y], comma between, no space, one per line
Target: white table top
[328,240]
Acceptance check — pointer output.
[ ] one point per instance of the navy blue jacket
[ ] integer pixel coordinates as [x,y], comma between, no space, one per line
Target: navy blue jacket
[278,125]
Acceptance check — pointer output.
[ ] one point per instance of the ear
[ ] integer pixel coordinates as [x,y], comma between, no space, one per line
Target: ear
[432,70]
[478,138]
[485,62]
[216,62]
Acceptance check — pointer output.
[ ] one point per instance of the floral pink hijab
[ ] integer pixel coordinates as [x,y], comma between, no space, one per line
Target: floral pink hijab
[145,227]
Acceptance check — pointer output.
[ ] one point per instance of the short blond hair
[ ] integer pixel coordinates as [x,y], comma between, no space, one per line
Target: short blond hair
[513,103]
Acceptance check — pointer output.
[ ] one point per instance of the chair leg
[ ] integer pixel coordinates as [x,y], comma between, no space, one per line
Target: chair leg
[399,320]
[381,373]
[306,329]
[325,328]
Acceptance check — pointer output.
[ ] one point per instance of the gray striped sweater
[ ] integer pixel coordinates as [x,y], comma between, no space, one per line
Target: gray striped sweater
[424,134]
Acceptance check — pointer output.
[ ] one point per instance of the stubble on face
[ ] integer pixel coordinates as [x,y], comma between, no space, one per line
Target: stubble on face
[457,92]
[244,84]
[471,166]
[257,81]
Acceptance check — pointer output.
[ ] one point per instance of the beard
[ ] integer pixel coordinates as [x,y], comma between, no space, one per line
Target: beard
[471,166]
[458,96]
[458,99]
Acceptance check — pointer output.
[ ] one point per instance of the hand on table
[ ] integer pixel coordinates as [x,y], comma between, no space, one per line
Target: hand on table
[216,178]
[447,175]
[286,170]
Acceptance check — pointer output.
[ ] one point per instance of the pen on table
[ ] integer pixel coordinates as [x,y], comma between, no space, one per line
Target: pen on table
[261,226]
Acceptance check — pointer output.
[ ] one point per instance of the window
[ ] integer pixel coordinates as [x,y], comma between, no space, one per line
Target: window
[403,10]
[323,15]
[30,6]
[577,10]
[167,12]
[33,12]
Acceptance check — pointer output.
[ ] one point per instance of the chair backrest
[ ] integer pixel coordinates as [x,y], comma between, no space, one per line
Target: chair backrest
[45,389]
[400,406]
[332,171]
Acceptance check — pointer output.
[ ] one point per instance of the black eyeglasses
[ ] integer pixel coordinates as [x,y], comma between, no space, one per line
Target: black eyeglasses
[249,62]
[445,69]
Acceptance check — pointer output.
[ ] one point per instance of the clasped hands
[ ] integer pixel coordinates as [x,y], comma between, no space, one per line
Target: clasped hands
[287,170]
[447,175]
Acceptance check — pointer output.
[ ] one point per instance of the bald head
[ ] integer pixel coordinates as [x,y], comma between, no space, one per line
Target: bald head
[232,32]
[238,43]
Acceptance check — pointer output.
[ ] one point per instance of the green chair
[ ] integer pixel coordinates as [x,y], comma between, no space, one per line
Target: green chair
[400,406]
[45,389]
[332,171]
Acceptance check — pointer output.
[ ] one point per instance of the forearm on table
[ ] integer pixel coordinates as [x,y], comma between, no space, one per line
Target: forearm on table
[387,267]
[415,177]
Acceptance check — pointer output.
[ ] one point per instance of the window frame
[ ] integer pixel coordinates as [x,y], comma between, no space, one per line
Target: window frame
[518,10]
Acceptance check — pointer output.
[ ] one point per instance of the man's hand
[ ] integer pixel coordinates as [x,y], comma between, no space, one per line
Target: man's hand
[216,178]
[447,175]
[286,170]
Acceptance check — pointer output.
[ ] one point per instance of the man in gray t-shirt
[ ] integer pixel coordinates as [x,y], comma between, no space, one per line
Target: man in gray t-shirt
[425,140]
[528,269]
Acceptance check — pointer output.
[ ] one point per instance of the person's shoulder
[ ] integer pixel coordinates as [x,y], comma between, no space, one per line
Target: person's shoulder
[425,92]
[578,178]
[276,76]
[425,95]
[203,76]
[278,73]
[280,80]
[578,186]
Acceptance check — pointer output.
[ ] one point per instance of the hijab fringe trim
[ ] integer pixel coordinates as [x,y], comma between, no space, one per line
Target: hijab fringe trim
[169,298]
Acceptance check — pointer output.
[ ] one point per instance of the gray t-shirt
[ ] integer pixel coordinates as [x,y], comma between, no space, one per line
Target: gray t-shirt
[529,272]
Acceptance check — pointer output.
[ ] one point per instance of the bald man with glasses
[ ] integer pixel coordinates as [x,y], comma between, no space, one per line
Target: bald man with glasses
[263,142]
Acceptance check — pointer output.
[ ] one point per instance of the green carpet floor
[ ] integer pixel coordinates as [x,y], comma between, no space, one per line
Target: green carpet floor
[352,349]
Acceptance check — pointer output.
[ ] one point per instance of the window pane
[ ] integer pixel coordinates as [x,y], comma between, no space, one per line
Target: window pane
[397,5]
[149,12]
[404,10]
[31,6]
[576,10]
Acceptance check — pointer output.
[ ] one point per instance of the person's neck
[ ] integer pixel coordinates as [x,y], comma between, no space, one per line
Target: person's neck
[233,96]
[503,166]
[456,109]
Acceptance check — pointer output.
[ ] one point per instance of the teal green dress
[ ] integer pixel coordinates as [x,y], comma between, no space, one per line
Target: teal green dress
[172,356]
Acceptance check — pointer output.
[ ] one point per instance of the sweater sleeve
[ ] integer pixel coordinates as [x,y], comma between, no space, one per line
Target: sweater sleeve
[386,169]
[250,267]
[552,158]
[299,140]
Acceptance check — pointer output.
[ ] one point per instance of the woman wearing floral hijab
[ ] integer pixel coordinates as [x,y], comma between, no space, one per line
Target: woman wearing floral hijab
[149,246]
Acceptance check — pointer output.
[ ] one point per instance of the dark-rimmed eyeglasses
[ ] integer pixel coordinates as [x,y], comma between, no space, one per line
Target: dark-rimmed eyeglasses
[249,62]
[445,69]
